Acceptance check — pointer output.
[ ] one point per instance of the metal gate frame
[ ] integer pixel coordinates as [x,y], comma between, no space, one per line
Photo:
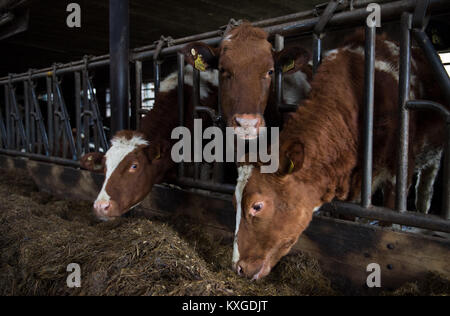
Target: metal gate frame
[18,138]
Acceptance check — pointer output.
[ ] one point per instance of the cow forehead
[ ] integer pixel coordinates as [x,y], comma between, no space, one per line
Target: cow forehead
[120,148]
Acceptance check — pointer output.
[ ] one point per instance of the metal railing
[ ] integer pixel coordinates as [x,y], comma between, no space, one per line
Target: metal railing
[55,143]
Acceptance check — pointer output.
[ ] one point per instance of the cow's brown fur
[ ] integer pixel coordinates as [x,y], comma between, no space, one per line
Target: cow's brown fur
[324,140]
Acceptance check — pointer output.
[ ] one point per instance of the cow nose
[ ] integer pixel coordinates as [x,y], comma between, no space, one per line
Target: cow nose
[102,207]
[247,121]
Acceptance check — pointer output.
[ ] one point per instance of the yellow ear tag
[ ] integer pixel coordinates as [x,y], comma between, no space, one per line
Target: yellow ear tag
[199,63]
[90,158]
[289,66]
[291,166]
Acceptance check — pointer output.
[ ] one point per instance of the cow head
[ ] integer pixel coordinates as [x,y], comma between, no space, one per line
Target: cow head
[132,166]
[272,210]
[246,64]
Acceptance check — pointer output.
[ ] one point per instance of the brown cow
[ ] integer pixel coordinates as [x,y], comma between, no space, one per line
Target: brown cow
[139,159]
[246,63]
[321,152]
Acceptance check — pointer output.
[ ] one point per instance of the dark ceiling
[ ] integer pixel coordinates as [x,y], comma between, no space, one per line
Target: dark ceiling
[48,39]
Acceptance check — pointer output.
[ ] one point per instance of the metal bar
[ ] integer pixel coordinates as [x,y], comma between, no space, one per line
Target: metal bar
[180,61]
[27,116]
[78,112]
[42,137]
[440,74]
[50,127]
[3,134]
[138,74]
[157,75]
[86,109]
[420,14]
[206,185]
[8,117]
[65,121]
[60,161]
[326,16]
[279,46]
[196,103]
[404,86]
[317,51]
[20,135]
[100,136]
[411,219]
[119,42]
[369,88]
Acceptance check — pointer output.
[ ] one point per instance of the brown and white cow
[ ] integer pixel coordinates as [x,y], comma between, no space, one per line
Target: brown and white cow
[246,64]
[321,152]
[139,159]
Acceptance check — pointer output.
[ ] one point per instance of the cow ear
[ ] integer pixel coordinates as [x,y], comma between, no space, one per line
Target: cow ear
[93,162]
[292,59]
[203,57]
[158,149]
[293,159]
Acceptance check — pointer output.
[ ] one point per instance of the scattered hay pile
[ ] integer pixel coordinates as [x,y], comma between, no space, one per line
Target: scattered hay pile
[41,235]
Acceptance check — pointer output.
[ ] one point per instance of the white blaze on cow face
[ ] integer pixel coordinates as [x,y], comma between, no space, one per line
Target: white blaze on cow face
[120,148]
[244,174]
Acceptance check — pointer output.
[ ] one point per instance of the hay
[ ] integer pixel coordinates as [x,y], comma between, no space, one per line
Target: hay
[40,235]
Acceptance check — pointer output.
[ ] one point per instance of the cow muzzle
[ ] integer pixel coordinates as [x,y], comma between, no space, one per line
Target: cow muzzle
[106,210]
[246,126]
[252,270]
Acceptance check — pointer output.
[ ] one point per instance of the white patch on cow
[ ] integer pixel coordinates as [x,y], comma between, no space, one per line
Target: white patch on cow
[244,174]
[331,54]
[295,87]
[206,77]
[394,49]
[387,67]
[120,148]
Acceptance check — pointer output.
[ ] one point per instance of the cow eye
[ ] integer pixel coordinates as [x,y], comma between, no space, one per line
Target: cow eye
[133,167]
[257,206]
[270,72]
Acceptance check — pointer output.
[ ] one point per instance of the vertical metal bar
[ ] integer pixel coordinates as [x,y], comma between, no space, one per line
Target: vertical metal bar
[404,86]
[138,74]
[119,63]
[78,112]
[86,127]
[8,117]
[279,46]
[369,87]
[196,103]
[99,132]
[27,115]
[50,128]
[180,60]
[446,185]
[156,75]
[317,51]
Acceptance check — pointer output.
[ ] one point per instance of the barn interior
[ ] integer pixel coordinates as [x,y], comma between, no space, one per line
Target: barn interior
[34,35]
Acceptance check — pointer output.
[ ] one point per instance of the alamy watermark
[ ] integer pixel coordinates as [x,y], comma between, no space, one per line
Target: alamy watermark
[374,278]
[74,278]
[190,147]
[374,18]
[74,18]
